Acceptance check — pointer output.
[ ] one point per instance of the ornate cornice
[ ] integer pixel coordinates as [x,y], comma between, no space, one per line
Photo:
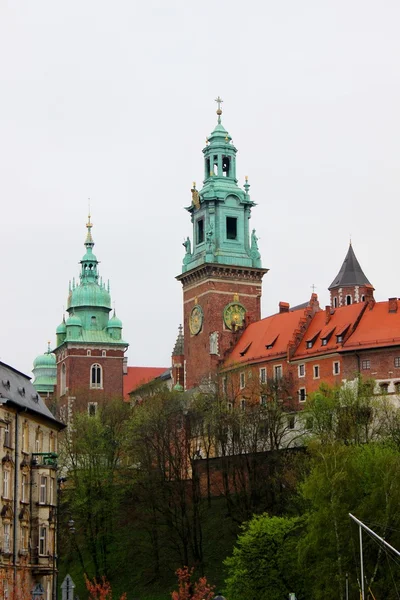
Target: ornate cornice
[217,271]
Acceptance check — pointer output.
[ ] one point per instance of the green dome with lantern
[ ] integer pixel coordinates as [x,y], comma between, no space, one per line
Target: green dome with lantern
[89,305]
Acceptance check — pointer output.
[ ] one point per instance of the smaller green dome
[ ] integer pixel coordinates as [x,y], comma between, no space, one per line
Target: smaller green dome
[61,328]
[44,361]
[74,320]
[114,322]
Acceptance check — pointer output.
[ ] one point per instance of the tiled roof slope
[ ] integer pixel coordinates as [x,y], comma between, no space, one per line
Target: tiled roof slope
[350,272]
[16,387]
[276,331]
[378,326]
[138,376]
[341,321]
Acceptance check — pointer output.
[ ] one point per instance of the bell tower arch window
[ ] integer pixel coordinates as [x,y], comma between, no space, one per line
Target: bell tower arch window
[96,377]
[63,379]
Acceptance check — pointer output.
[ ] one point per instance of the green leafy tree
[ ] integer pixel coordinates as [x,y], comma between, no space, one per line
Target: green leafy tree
[264,561]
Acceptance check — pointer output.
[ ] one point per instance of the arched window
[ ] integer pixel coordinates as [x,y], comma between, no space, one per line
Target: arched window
[96,377]
[63,379]
[335,302]
[25,437]
[39,440]
[348,299]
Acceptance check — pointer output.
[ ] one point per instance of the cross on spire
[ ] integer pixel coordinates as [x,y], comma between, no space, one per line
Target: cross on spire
[313,287]
[219,101]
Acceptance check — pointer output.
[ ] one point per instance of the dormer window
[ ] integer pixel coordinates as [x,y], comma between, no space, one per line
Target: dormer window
[270,342]
[326,336]
[245,349]
[340,334]
[311,340]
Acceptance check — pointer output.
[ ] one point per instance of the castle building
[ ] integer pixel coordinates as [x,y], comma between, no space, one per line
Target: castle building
[28,482]
[90,348]
[221,273]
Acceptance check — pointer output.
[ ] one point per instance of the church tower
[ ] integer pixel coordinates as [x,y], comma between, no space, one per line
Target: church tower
[221,272]
[90,349]
[350,284]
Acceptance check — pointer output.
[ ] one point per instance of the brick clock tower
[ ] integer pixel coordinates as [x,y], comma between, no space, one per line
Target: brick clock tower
[221,273]
[90,349]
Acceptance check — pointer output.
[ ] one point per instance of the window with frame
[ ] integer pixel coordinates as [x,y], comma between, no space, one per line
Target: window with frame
[336,368]
[104,352]
[224,385]
[24,537]
[96,377]
[39,440]
[43,490]
[63,380]
[263,400]
[52,442]
[24,487]
[7,434]
[231,228]
[302,395]
[42,540]
[200,231]
[229,406]
[243,404]
[263,375]
[384,387]
[6,484]
[397,361]
[291,421]
[316,371]
[242,380]
[52,490]
[92,409]
[277,372]
[302,370]
[7,538]
[365,365]
[25,437]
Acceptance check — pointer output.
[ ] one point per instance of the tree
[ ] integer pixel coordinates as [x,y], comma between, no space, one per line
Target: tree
[93,459]
[100,590]
[264,561]
[189,590]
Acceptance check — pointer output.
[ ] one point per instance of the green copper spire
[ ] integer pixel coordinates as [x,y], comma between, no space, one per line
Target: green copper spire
[221,210]
[89,305]
[45,372]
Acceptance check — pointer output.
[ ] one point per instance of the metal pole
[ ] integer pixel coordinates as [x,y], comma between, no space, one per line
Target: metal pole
[362,565]
[375,535]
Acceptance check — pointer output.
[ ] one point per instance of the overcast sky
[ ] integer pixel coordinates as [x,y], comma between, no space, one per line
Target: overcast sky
[113,101]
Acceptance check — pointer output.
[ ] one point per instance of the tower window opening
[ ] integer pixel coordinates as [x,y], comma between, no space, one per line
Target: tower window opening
[231,228]
[200,231]
[225,166]
[208,164]
[90,266]
[363,298]
[93,321]
[96,377]
[335,302]
[348,299]
[215,165]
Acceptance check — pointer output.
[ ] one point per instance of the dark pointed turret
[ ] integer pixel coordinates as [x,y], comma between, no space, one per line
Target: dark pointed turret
[350,284]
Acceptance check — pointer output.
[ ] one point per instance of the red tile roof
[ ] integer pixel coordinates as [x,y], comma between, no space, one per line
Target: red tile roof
[318,329]
[138,376]
[378,327]
[257,336]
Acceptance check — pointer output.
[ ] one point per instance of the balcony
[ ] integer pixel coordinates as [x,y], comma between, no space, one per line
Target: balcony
[44,459]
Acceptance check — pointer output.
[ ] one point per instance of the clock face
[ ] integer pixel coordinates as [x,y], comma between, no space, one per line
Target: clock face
[196,320]
[234,314]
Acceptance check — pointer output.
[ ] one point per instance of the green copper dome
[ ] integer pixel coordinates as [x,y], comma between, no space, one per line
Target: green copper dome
[45,372]
[61,328]
[114,322]
[89,294]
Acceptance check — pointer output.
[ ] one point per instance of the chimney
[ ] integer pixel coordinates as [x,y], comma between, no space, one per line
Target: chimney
[392,305]
[369,293]
[284,307]
[328,313]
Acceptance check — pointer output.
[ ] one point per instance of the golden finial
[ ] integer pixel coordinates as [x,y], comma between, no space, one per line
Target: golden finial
[219,110]
[236,297]
[246,178]
[226,139]
[211,173]
[207,140]
[194,185]
[195,300]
